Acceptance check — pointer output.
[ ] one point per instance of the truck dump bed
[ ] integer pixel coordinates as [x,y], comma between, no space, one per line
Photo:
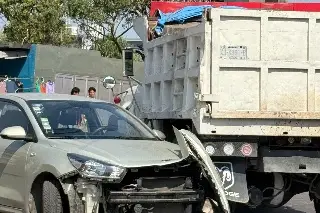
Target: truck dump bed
[238,72]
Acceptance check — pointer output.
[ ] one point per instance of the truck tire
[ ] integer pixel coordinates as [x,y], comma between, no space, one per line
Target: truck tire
[235,206]
[51,197]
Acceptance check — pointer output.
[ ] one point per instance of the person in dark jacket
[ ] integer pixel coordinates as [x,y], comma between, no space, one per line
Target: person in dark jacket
[75,91]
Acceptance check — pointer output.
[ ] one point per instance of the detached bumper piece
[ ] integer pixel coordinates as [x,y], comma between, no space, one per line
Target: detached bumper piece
[151,197]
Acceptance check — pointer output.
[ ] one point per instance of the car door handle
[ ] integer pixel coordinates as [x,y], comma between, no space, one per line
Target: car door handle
[32,154]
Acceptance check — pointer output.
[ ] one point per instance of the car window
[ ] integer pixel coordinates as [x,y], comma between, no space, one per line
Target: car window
[66,118]
[103,116]
[11,115]
[126,128]
[122,126]
[72,118]
[88,120]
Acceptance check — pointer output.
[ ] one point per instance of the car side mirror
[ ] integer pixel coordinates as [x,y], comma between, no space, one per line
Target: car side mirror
[14,133]
[159,134]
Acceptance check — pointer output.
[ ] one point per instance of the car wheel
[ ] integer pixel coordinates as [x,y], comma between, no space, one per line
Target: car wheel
[51,197]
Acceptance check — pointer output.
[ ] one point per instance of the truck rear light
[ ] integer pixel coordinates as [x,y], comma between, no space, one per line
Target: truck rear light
[210,149]
[246,150]
[305,141]
[228,149]
[291,140]
[117,100]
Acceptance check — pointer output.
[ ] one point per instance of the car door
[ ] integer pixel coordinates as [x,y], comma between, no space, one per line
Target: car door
[13,156]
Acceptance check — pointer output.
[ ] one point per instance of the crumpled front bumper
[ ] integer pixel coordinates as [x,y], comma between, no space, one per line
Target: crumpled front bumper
[150,197]
[190,146]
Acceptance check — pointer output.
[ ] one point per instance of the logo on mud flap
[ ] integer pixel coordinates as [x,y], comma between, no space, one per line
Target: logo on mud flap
[226,173]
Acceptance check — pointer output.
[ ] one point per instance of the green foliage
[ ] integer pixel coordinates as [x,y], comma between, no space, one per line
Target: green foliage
[3,38]
[34,21]
[109,48]
[42,21]
[137,57]
[104,17]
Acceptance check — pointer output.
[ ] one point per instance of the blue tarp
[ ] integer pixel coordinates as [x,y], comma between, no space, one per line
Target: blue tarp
[183,15]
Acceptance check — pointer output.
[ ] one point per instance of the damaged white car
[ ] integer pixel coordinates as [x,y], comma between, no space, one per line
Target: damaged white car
[62,153]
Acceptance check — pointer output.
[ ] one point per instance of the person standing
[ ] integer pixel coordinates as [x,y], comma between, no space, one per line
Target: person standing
[3,87]
[50,87]
[20,86]
[92,92]
[75,91]
[11,86]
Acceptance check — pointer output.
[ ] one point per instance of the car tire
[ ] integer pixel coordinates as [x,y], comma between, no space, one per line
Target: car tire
[51,197]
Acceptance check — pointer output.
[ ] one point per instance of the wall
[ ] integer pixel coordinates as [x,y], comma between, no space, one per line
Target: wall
[51,60]
[65,83]
[20,67]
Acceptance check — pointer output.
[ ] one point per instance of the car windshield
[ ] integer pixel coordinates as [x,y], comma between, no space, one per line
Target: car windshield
[87,120]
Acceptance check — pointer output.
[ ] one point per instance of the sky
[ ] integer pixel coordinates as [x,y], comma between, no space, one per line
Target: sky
[131,34]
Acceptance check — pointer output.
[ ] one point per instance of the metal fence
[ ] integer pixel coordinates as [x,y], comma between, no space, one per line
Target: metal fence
[65,82]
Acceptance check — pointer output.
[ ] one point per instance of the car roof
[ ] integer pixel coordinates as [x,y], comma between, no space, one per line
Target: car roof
[28,96]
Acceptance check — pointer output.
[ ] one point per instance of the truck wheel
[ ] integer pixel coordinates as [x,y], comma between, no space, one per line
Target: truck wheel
[234,206]
[51,197]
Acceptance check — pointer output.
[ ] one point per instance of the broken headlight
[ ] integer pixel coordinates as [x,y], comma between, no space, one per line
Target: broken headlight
[92,168]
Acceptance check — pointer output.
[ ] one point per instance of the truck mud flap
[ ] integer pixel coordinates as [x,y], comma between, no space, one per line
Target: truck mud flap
[234,180]
[188,141]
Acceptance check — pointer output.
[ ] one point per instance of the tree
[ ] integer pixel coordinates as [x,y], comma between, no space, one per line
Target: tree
[3,38]
[108,48]
[104,17]
[33,21]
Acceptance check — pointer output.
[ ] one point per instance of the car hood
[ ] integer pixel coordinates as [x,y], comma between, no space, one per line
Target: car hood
[126,153]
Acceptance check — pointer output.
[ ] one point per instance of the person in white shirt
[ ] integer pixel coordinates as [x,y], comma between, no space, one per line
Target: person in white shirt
[92,92]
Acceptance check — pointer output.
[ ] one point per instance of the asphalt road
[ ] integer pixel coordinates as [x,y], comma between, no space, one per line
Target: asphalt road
[299,204]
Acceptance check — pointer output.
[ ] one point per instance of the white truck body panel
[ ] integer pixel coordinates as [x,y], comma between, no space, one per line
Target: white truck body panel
[239,72]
